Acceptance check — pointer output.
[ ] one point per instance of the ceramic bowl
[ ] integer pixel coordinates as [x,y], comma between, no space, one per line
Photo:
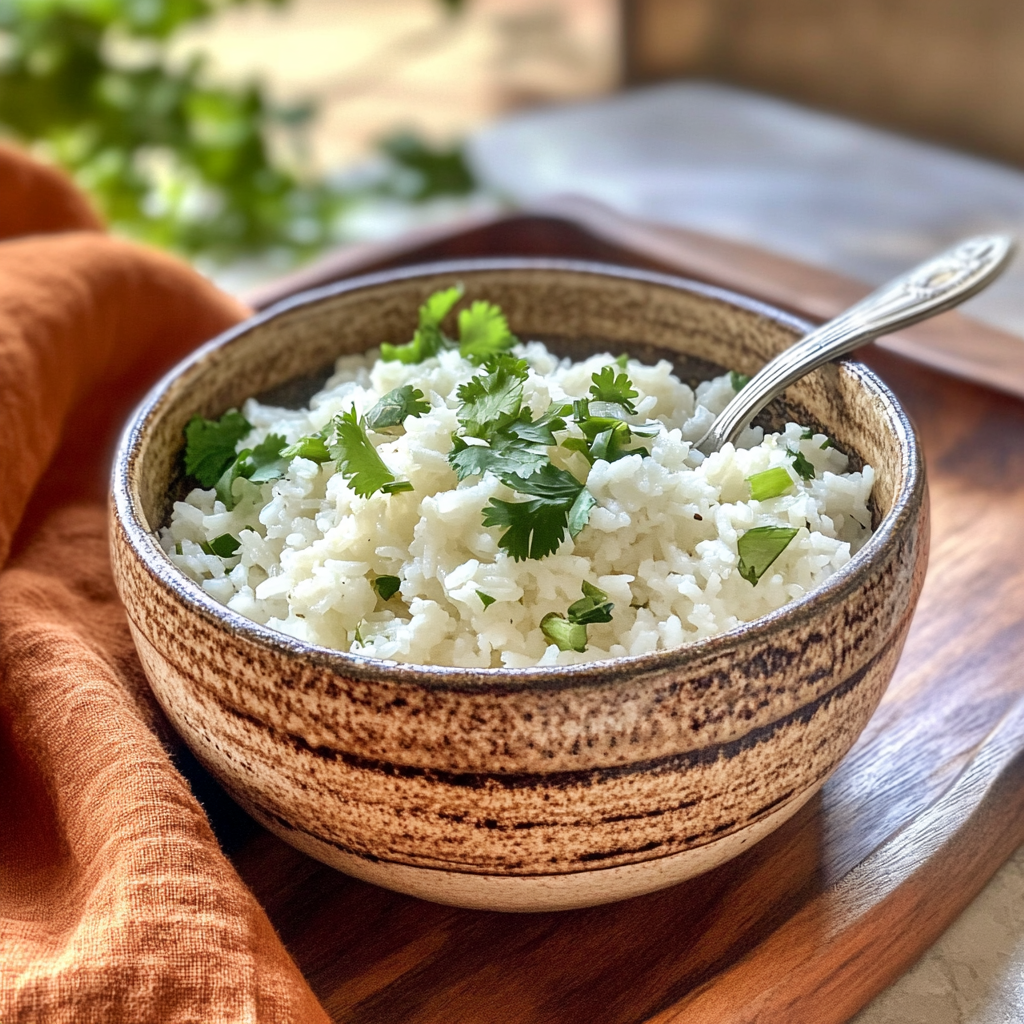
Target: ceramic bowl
[523,789]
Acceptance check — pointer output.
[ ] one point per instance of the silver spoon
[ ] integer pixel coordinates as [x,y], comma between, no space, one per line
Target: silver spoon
[929,289]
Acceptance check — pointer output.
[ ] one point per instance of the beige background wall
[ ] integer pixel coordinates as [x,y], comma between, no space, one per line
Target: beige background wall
[949,70]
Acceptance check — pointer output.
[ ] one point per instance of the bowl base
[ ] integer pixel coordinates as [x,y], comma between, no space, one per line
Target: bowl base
[539,893]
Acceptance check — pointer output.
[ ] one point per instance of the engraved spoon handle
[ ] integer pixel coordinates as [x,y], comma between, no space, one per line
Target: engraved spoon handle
[929,289]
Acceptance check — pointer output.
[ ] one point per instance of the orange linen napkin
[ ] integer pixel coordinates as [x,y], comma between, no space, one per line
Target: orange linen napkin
[116,904]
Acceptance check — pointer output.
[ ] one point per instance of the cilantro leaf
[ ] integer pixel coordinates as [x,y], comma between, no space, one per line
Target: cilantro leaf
[606,436]
[759,547]
[429,338]
[261,464]
[769,484]
[485,599]
[225,545]
[266,461]
[210,445]
[550,483]
[806,434]
[439,304]
[622,359]
[357,458]
[579,513]
[386,586]
[503,457]
[594,606]
[312,447]
[607,386]
[535,527]
[225,486]
[567,636]
[801,464]
[393,408]
[493,401]
[483,332]
[738,380]
[540,431]
[828,443]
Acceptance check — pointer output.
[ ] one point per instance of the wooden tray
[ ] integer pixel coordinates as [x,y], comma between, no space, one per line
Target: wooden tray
[814,921]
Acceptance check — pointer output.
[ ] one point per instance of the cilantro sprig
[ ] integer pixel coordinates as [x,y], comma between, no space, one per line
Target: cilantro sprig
[569,631]
[483,331]
[608,436]
[607,386]
[210,445]
[428,339]
[395,406]
[801,464]
[358,461]
[507,441]
[536,527]
[500,436]
[260,465]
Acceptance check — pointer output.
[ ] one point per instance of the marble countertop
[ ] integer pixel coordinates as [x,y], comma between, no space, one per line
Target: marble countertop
[854,199]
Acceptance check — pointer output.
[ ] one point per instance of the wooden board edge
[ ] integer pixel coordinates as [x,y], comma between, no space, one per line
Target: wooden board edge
[840,950]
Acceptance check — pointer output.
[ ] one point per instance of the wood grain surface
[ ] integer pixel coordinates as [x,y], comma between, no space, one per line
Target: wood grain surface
[818,918]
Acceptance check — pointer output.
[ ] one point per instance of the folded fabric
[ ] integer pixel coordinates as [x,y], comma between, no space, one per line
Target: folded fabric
[116,903]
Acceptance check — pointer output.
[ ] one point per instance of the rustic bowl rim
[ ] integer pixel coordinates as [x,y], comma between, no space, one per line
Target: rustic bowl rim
[610,671]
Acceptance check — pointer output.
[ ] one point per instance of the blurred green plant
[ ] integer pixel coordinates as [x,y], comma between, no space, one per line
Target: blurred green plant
[169,156]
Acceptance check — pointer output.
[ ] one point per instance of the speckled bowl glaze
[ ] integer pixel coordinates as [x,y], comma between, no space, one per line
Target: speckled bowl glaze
[528,789]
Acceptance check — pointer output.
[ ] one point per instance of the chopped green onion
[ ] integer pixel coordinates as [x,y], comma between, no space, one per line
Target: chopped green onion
[769,484]
[568,636]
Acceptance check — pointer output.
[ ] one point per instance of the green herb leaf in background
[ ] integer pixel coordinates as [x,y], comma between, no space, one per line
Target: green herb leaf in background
[485,599]
[738,380]
[759,547]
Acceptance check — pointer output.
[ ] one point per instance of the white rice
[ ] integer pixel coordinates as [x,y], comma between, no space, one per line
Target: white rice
[661,541]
